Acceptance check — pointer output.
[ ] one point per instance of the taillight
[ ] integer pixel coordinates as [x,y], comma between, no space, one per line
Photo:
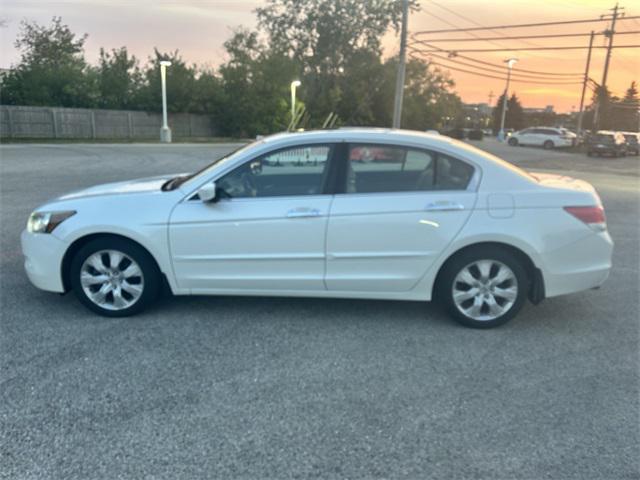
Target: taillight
[592,216]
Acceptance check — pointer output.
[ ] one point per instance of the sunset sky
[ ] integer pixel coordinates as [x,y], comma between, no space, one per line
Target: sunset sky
[198,29]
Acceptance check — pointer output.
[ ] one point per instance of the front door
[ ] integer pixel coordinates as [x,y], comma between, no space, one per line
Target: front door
[400,208]
[266,232]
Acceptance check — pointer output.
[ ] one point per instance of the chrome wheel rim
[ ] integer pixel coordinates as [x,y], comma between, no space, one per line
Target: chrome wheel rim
[485,290]
[112,280]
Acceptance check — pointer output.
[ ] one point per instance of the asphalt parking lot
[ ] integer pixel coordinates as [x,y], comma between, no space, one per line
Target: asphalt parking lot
[298,388]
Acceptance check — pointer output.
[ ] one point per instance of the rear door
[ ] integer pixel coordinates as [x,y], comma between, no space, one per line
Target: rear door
[395,211]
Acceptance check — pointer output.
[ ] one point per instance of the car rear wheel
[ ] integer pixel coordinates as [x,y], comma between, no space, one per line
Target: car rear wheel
[484,288]
[513,142]
[114,277]
[548,145]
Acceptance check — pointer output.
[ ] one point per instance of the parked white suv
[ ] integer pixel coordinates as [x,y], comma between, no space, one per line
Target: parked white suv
[547,137]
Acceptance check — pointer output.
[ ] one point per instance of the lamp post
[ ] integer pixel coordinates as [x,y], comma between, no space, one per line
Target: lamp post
[510,64]
[165,131]
[295,84]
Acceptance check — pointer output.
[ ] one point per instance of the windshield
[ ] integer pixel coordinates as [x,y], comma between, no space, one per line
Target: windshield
[175,182]
[631,138]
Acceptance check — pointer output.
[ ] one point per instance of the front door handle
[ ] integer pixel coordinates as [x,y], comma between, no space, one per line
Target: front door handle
[303,212]
[444,206]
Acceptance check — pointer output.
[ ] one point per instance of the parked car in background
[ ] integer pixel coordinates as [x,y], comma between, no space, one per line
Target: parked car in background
[418,217]
[547,137]
[632,139]
[606,142]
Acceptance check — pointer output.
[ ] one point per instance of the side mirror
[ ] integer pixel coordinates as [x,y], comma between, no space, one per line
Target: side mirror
[207,192]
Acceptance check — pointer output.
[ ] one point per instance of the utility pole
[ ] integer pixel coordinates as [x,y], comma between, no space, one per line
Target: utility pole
[608,33]
[397,104]
[584,84]
[501,134]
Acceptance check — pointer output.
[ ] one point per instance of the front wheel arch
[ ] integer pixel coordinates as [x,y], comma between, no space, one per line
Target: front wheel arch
[536,291]
[65,268]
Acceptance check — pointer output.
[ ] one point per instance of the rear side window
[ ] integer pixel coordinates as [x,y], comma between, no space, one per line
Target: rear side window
[383,168]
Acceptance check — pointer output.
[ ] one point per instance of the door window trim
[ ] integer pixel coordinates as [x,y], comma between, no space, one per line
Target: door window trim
[343,159]
[327,183]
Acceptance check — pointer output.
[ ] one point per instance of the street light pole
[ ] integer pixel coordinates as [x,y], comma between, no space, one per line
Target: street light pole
[294,85]
[165,131]
[510,63]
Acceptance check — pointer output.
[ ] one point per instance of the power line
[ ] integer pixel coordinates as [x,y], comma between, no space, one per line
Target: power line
[473,21]
[517,49]
[493,70]
[521,25]
[556,35]
[484,75]
[471,59]
[476,37]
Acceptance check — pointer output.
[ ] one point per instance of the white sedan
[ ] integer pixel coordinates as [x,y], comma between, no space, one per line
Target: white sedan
[350,213]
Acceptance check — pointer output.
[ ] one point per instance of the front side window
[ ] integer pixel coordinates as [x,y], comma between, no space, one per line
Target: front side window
[295,171]
[383,168]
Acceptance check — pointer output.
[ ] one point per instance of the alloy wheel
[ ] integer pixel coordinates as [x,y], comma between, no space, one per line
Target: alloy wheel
[111,279]
[485,290]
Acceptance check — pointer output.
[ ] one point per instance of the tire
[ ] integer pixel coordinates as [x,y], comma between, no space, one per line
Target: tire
[118,291]
[514,288]
[513,142]
[548,145]
[589,154]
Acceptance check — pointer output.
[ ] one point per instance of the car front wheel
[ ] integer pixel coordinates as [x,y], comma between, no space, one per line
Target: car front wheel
[548,145]
[114,277]
[484,288]
[513,142]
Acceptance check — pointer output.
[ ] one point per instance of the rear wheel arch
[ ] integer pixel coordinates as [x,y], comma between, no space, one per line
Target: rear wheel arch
[77,244]
[536,290]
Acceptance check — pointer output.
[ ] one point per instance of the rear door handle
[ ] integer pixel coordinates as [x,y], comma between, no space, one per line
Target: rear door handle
[444,206]
[303,212]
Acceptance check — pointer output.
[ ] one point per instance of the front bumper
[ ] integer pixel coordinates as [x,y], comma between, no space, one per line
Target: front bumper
[43,254]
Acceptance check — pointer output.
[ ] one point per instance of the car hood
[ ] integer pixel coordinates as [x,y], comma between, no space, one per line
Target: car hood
[141,185]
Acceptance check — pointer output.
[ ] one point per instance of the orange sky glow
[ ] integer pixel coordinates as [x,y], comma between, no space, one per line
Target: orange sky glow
[198,29]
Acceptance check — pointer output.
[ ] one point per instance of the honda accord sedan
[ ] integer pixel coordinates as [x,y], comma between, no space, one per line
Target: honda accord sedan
[347,213]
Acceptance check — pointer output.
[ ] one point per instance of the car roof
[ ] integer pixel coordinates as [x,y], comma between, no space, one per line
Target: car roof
[367,134]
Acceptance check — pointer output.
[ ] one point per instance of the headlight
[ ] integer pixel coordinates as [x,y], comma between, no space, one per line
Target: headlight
[46,222]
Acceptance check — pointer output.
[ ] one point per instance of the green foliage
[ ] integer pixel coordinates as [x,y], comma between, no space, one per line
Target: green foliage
[514,117]
[119,79]
[52,69]
[626,116]
[333,47]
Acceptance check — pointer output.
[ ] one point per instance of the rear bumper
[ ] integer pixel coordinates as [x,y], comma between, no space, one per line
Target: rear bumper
[43,255]
[579,266]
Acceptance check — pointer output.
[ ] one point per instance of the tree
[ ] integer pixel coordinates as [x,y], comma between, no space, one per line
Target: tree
[52,68]
[255,87]
[119,79]
[181,84]
[329,40]
[625,114]
[514,117]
